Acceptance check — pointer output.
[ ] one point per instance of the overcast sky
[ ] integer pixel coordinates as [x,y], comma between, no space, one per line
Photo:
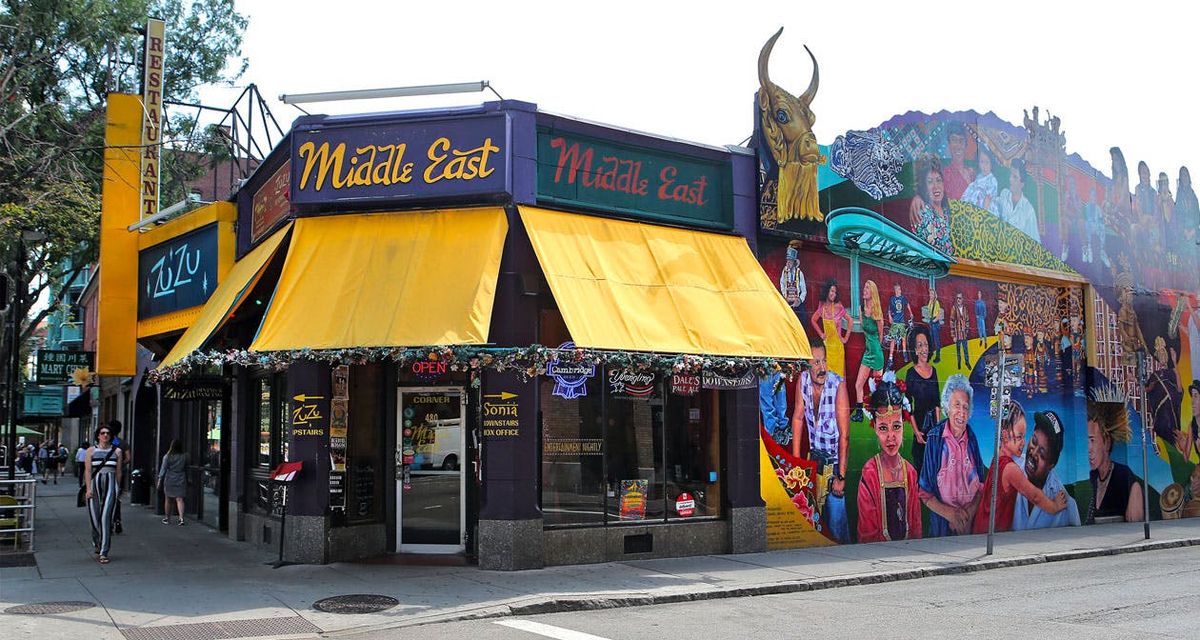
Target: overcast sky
[1116,73]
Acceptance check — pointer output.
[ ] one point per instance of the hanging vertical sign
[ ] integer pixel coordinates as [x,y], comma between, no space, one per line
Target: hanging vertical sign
[339,420]
[152,87]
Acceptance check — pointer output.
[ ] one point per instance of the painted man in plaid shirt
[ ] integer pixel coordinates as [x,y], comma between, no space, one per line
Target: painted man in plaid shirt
[823,407]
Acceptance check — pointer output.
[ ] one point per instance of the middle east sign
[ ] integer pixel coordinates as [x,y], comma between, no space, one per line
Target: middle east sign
[419,160]
[659,185]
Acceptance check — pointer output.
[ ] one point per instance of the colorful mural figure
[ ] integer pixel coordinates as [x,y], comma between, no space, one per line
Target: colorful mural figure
[889,507]
[791,281]
[1013,480]
[786,124]
[1024,225]
[1116,490]
[831,323]
[822,414]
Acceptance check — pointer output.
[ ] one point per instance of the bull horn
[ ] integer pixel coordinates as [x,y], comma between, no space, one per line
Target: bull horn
[811,91]
[764,78]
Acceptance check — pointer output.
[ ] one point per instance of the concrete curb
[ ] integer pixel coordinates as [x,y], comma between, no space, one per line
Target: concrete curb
[544,605]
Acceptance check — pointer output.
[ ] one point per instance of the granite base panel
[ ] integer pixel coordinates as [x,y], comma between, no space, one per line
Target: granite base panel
[510,545]
[304,541]
[748,529]
[607,544]
[357,541]
[237,522]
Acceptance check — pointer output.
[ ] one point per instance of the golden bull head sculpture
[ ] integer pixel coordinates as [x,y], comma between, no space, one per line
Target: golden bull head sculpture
[787,122]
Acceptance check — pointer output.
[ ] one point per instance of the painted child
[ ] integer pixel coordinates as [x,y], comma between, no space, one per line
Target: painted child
[1012,477]
[983,192]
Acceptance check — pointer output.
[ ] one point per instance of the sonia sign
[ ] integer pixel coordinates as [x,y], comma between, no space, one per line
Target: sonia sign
[648,183]
[399,161]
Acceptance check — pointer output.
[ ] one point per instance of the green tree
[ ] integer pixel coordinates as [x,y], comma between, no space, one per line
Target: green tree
[59,59]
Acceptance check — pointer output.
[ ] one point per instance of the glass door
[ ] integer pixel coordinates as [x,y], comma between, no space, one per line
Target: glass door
[210,463]
[430,500]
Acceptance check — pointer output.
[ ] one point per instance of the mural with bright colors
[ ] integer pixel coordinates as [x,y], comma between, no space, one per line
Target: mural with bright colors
[941,241]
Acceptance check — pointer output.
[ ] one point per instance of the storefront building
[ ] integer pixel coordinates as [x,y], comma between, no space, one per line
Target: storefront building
[487,331]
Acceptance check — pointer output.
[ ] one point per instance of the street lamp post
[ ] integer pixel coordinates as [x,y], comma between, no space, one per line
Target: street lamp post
[16,311]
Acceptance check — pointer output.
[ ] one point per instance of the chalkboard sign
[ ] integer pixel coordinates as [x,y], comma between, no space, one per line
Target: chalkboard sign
[364,490]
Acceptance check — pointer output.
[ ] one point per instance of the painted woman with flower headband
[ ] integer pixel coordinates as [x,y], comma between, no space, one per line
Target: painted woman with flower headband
[888,505]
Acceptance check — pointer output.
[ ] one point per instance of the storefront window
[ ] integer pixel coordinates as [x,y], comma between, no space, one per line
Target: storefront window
[573,483]
[633,445]
[263,421]
[272,427]
[628,451]
[693,447]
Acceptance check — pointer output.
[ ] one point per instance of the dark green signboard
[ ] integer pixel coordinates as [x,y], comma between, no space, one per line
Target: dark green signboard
[58,367]
[44,401]
[634,180]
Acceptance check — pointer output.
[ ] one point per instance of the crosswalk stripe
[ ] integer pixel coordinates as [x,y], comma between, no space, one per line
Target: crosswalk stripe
[547,630]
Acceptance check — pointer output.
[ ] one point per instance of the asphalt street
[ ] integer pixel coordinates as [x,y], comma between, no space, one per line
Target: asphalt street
[1145,595]
[171,583]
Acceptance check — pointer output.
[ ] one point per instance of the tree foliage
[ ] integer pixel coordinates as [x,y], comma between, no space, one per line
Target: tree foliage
[59,59]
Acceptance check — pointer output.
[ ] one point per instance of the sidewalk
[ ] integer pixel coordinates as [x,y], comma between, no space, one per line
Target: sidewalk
[162,577]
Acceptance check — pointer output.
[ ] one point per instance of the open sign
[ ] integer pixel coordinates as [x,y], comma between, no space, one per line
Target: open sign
[429,368]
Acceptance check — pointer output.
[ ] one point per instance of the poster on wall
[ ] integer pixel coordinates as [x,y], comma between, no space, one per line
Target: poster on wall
[633,499]
[339,420]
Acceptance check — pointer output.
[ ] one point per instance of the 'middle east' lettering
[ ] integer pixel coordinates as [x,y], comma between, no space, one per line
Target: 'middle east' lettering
[385,164]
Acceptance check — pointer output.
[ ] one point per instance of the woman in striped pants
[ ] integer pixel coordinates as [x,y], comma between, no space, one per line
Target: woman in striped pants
[103,478]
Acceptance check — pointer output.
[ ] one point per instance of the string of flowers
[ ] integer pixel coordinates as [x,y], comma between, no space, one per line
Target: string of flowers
[528,361]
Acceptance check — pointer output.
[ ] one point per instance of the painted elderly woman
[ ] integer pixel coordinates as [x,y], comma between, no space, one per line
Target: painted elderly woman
[888,506]
[952,474]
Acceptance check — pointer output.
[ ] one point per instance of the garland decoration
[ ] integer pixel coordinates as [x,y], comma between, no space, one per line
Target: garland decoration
[527,361]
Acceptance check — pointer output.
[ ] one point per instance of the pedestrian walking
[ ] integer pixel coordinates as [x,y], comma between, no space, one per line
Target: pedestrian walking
[43,461]
[60,460]
[172,480]
[103,480]
[115,427]
[80,456]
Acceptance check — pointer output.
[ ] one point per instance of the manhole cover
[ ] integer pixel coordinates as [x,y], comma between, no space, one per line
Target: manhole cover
[357,603]
[50,607]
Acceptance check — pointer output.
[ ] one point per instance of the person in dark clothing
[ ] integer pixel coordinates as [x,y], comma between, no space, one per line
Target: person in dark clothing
[1116,491]
[924,392]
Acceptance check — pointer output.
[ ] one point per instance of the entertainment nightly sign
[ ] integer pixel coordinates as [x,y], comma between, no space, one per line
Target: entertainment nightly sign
[388,161]
[636,180]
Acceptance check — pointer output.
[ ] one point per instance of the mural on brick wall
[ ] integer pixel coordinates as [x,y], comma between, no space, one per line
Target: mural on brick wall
[891,432]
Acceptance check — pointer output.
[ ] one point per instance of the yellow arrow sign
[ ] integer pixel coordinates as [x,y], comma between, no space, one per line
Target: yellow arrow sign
[503,395]
[304,398]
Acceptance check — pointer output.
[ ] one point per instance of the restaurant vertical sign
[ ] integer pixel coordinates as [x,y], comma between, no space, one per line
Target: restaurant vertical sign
[152,88]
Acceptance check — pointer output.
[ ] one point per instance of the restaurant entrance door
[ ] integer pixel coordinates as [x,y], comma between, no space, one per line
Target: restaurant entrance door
[430,492]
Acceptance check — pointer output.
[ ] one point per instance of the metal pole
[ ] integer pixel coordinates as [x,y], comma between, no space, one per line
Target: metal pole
[1141,371]
[996,457]
[157,460]
[14,362]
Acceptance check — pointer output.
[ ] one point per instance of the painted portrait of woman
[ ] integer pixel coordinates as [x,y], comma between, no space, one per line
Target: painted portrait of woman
[931,222]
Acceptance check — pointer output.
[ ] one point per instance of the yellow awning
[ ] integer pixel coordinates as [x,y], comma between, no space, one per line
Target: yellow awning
[226,298]
[640,287]
[387,279]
